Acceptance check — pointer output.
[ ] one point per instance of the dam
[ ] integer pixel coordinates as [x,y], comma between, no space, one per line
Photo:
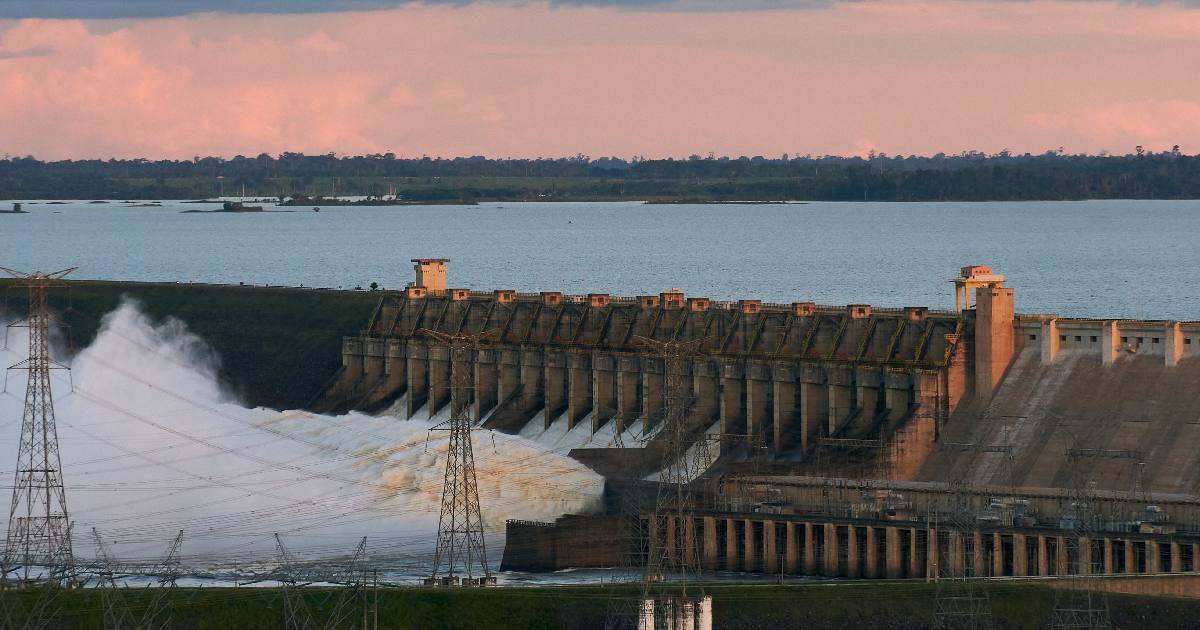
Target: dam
[839,435]
[783,376]
[792,380]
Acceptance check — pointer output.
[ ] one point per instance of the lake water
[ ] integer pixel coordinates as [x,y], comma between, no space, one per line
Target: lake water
[1129,259]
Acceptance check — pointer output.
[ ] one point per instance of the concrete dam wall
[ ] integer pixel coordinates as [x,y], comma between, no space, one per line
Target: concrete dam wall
[1143,408]
[810,389]
[784,379]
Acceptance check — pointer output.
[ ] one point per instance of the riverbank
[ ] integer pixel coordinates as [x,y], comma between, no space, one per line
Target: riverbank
[969,176]
[812,606]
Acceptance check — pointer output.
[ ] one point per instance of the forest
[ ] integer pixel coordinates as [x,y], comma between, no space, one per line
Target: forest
[967,176]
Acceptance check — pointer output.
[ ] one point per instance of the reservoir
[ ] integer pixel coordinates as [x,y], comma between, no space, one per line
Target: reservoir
[1103,259]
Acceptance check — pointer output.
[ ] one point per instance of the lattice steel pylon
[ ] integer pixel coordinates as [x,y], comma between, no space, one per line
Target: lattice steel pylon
[1080,605]
[305,613]
[353,580]
[155,616]
[671,594]
[460,542]
[296,613]
[116,616]
[39,526]
[961,597]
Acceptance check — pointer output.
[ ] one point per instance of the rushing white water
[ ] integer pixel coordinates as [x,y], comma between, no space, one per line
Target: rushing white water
[151,444]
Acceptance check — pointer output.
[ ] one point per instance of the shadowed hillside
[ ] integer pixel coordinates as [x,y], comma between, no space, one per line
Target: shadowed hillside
[278,347]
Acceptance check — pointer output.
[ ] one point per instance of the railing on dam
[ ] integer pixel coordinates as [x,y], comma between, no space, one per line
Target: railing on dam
[625,300]
[524,523]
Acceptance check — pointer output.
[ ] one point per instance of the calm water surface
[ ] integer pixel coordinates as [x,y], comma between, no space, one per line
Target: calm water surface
[1095,259]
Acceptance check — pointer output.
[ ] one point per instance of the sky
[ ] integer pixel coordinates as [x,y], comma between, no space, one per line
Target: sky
[144,78]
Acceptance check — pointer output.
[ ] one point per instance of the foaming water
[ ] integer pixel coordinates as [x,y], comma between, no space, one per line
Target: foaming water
[151,445]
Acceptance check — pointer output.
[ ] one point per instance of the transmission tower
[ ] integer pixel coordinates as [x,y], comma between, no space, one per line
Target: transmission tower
[116,616]
[962,601]
[671,596]
[460,544]
[167,573]
[118,613]
[1079,604]
[296,614]
[353,581]
[39,526]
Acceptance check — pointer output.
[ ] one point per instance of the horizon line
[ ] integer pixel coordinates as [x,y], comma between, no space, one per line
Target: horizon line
[708,156]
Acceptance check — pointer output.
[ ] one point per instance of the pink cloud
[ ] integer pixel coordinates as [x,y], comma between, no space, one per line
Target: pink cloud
[529,80]
[1121,126]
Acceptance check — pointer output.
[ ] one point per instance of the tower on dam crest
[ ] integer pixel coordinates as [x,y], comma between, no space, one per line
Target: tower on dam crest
[431,273]
[995,341]
[973,277]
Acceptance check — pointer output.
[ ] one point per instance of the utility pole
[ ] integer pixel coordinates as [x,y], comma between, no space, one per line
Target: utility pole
[460,543]
[39,526]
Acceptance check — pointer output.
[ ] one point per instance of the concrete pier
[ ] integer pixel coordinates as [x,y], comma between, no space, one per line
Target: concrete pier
[832,557]
[579,388]
[871,570]
[810,550]
[893,568]
[709,550]
[750,540]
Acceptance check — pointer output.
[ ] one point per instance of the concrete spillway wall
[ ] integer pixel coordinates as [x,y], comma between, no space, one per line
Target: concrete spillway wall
[782,377]
[1139,408]
[814,387]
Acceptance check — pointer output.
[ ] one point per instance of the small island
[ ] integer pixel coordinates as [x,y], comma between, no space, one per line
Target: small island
[302,200]
[228,206]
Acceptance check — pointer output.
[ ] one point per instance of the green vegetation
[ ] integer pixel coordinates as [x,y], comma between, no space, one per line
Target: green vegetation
[815,605]
[970,176]
[278,347]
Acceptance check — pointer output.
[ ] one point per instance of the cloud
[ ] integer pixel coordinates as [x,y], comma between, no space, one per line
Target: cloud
[116,9]
[1158,124]
[916,76]
[36,51]
[127,9]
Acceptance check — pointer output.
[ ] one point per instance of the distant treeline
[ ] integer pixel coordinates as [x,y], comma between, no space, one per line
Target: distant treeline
[971,176]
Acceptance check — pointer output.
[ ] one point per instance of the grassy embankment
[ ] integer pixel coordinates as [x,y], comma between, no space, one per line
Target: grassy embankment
[278,346]
[825,606]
